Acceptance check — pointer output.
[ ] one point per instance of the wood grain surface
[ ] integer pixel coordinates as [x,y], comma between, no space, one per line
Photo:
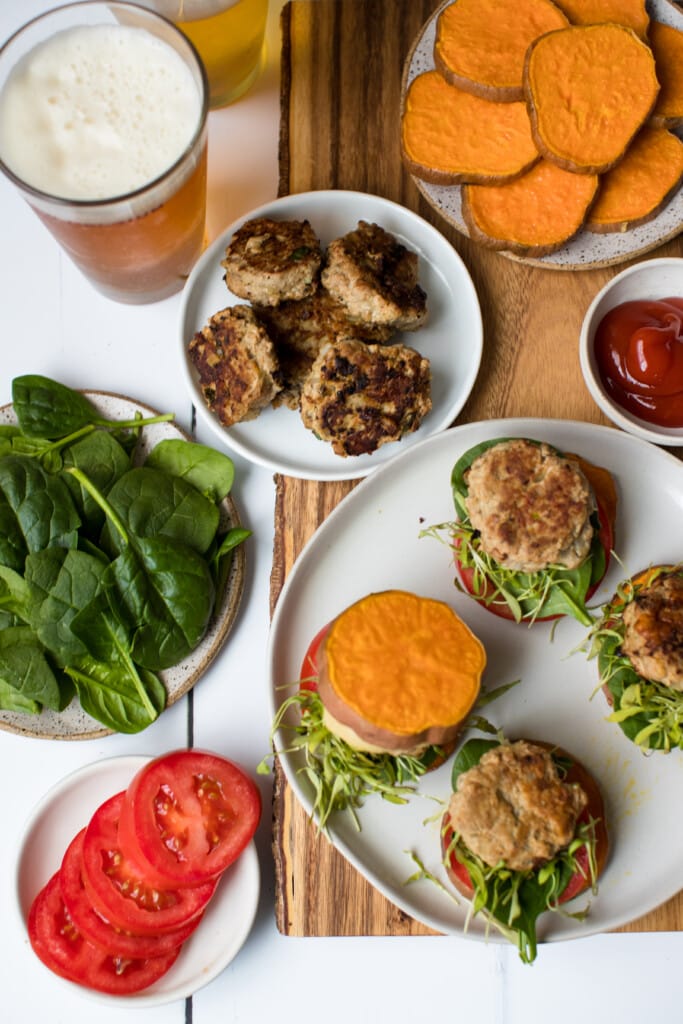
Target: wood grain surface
[342,62]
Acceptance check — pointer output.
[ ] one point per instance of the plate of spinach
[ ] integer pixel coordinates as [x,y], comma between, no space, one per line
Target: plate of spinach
[121,561]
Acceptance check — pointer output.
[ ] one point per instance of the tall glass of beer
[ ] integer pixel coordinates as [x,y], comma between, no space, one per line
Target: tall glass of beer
[230,38]
[103,111]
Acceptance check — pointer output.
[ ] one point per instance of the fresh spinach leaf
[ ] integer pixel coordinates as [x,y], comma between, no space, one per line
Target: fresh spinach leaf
[63,582]
[103,460]
[469,755]
[44,512]
[163,592]
[220,558]
[12,700]
[210,471]
[46,408]
[110,694]
[23,666]
[151,503]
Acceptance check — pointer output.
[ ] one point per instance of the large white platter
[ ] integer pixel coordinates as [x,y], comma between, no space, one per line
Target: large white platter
[452,339]
[74,723]
[371,542]
[587,249]
[228,919]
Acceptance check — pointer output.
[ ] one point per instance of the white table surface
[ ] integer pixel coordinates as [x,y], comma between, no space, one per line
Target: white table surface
[53,322]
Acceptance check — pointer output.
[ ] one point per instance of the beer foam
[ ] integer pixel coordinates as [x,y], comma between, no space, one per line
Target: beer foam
[97,111]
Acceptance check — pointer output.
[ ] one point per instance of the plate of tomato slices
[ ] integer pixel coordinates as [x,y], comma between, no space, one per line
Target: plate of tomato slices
[382,537]
[170,937]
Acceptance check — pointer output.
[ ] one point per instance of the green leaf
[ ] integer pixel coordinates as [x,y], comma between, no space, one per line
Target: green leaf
[41,511]
[64,582]
[469,755]
[163,592]
[23,666]
[12,700]
[46,408]
[210,471]
[151,503]
[112,696]
[103,460]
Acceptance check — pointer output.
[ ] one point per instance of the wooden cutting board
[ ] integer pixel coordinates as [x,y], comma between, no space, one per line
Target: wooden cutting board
[342,63]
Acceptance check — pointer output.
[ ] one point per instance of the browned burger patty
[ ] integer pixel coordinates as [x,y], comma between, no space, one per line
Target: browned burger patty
[514,807]
[359,397]
[531,506]
[270,261]
[236,363]
[653,635]
[375,277]
[300,329]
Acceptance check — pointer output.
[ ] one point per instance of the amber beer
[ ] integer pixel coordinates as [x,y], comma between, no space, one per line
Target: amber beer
[113,161]
[229,35]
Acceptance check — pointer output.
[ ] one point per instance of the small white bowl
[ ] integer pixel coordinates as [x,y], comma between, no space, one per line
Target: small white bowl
[651,279]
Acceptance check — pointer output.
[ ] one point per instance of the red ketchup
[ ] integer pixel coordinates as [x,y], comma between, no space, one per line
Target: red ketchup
[639,352]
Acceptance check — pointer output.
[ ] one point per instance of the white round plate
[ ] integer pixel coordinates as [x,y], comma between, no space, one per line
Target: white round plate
[587,249]
[372,542]
[452,339]
[63,812]
[73,723]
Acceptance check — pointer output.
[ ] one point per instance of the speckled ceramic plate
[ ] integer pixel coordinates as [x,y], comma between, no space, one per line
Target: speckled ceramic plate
[73,723]
[586,250]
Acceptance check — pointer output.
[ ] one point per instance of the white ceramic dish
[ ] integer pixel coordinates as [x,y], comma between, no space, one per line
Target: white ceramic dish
[588,249]
[371,542]
[452,339]
[653,279]
[73,723]
[65,810]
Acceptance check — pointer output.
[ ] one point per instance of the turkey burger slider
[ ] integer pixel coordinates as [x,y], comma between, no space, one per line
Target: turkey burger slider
[638,642]
[524,833]
[384,691]
[535,528]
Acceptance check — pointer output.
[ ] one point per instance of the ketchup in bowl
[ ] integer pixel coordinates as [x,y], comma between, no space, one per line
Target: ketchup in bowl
[639,354]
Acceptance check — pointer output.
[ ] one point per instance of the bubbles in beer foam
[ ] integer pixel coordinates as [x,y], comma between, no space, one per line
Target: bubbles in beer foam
[96,112]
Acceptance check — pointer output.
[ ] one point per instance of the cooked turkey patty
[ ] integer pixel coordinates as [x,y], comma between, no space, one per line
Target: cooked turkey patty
[531,506]
[300,329]
[359,396]
[270,261]
[375,277]
[236,363]
[514,807]
[653,638]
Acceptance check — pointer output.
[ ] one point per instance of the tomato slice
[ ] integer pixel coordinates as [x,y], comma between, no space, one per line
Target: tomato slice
[121,893]
[62,948]
[187,816]
[112,940]
[309,666]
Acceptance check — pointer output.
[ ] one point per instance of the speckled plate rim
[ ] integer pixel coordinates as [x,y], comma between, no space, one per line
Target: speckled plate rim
[587,250]
[179,679]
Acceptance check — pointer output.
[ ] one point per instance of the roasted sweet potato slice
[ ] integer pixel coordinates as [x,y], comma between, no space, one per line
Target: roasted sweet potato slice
[636,189]
[632,13]
[400,670]
[449,136]
[666,44]
[533,215]
[589,90]
[480,44]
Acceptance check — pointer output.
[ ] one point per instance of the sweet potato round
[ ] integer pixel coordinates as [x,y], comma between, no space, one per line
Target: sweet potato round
[449,136]
[533,215]
[634,191]
[401,671]
[589,90]
[480,44]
